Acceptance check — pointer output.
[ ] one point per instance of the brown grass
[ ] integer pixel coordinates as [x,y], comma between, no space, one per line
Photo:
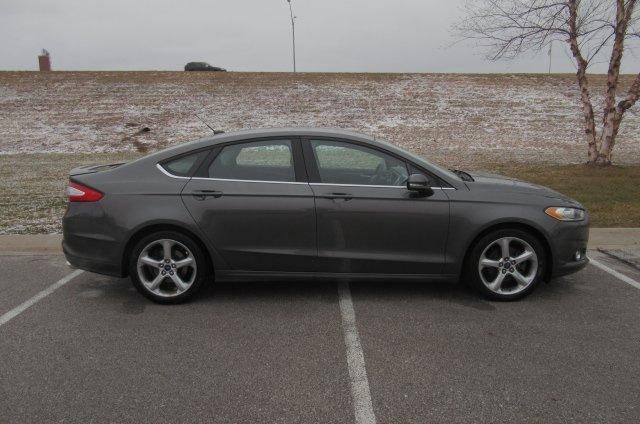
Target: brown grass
[612,194]
[32,189]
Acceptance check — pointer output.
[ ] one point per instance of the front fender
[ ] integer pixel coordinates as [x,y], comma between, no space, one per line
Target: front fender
[470,220]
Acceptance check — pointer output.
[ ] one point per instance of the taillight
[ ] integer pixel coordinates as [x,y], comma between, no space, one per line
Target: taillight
[81,193]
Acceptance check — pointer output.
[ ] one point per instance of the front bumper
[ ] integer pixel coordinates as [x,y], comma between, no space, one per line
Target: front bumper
[568,239]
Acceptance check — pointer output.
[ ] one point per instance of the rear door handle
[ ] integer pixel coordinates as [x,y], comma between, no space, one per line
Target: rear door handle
[343,196]
[203,194]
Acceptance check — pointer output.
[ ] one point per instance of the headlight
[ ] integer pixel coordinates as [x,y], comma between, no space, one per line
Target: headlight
[565,214]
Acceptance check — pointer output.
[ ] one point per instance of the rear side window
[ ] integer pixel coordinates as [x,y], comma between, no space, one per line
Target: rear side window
[183,165]
[269,160]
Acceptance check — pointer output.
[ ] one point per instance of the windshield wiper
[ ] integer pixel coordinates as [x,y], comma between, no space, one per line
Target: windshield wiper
[464,176]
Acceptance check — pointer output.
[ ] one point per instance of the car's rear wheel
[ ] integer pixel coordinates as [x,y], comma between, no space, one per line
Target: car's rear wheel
[167,267]
[506,264]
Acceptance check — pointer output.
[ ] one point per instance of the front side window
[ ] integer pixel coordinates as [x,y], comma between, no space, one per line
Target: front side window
[270,160]
[346,163]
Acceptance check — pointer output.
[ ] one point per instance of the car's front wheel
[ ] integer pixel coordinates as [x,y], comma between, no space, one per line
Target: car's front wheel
[506,264]
[167,267]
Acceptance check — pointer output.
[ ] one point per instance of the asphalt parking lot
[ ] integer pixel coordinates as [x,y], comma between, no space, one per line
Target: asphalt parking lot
[94,350]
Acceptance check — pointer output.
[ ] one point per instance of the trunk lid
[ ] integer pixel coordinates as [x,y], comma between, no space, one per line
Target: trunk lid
[90,169]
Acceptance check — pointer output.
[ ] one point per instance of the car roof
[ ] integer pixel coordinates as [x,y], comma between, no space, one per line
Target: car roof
[294,131]
[226,137]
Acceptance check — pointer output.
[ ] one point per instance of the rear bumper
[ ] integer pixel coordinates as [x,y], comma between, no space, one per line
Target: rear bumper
[88,240]
[568,239]
[91,262]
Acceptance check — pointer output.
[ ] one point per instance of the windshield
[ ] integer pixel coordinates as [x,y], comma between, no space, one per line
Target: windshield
[448,173]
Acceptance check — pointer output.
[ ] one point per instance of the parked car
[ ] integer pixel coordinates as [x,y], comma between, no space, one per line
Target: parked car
[202,66]
[314,203]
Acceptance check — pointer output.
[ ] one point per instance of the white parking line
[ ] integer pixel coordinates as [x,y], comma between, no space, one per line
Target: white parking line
[615,273]
[355,359]
[38,297]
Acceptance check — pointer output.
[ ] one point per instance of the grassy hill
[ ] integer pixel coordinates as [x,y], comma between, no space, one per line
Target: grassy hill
[446,117]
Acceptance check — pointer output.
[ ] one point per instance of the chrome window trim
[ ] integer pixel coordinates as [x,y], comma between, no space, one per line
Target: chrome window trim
[167,173]
[248,181]
[358,185]
[375,186]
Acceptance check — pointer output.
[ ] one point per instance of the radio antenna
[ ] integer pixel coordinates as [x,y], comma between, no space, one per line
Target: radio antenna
[207,124]
[368,98]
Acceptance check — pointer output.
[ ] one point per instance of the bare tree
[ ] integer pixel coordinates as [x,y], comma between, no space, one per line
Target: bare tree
[508,28]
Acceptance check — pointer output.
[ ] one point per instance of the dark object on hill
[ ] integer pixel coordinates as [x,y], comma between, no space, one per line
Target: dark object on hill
[202,66]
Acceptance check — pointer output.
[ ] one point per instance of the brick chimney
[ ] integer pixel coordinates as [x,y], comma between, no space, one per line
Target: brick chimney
[44,61]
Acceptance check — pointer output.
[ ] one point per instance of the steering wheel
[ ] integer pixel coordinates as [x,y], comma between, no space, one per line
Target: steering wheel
[388,176]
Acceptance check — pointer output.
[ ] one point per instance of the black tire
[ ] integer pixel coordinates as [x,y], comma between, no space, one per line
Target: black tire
[472,273]
[202,270]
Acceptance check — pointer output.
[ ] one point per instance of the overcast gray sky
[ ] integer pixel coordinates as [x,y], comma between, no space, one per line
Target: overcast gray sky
[251,35]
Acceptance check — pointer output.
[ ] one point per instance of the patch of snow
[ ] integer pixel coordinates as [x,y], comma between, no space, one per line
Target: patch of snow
[80,112]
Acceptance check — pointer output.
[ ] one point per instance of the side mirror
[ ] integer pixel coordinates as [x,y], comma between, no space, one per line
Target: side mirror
[420,184]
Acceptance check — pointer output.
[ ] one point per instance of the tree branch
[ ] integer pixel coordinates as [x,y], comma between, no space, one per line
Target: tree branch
[508,28]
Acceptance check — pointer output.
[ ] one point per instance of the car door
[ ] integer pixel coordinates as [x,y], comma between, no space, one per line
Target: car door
[367,220]
[254,204]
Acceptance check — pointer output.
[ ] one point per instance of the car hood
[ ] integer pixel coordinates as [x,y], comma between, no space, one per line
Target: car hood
[493,182]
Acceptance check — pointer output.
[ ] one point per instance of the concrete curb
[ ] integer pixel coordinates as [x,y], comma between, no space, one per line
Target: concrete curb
[603,238]
[614,238]
[30,243]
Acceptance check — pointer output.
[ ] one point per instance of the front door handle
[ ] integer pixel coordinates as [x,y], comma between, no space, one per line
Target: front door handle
[343,196]
[203,194]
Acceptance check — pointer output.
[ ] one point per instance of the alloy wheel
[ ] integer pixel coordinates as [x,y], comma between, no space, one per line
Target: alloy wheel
[166,268]
[508,265]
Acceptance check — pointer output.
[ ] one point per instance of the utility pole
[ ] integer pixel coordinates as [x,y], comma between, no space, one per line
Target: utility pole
[293,34]
[550,52]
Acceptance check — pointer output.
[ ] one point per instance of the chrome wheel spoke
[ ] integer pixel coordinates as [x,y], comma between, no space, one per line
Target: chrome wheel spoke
[150,261]
[504,247]
[184,262]
[489,263]
[524,256]
[521,279]
[166,249]
[496,284]
[153,285]
[180,285]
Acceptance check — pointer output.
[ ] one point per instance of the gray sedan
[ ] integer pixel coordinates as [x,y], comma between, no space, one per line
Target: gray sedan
[314,203]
